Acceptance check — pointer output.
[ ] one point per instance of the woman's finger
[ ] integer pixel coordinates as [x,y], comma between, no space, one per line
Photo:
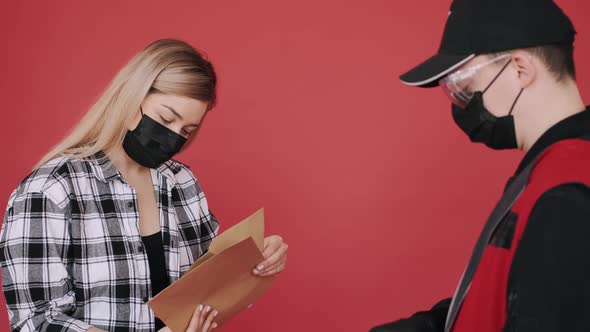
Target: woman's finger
[206,311]
[271,245]
[275,259]
[207,325]
[195,319]
[276,270]
[273,267]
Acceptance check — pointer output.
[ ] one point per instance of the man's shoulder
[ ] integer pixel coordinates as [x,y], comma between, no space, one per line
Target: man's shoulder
[564,162]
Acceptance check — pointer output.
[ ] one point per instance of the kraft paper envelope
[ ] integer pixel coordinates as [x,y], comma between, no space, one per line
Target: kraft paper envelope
[223,280]
[253,226]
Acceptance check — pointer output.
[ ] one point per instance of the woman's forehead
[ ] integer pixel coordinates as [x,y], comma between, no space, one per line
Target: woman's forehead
[180,104]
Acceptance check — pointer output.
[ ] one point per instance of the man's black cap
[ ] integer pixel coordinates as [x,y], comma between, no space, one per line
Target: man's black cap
[477,27]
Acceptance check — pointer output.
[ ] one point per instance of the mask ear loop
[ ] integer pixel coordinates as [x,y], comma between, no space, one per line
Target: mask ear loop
[520,93]
[497,76]
[514,104]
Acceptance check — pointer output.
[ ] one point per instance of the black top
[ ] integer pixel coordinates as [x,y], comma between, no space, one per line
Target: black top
[551,266]
[158,274]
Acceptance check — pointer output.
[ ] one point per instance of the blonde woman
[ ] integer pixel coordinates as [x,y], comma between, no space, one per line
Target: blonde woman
[107,219]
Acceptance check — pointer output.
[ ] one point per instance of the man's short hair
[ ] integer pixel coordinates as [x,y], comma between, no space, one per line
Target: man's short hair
[558,58]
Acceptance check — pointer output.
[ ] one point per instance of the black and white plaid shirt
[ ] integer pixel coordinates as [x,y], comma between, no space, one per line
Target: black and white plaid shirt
[71,251]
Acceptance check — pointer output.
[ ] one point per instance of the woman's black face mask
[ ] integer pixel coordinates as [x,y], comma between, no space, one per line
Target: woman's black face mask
[151,144]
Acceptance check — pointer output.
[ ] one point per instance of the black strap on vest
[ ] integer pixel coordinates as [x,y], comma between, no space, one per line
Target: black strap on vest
[512,193]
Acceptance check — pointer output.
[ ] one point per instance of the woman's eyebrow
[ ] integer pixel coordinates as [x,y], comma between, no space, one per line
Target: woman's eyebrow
[173,111]
[180,116]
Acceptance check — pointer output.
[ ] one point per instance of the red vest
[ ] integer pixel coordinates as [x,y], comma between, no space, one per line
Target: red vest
[484,307]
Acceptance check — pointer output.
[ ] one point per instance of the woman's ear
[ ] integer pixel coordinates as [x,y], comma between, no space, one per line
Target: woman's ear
[134,122]
[525,66]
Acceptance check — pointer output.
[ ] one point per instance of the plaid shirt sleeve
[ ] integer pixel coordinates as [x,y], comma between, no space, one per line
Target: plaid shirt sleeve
[34,250]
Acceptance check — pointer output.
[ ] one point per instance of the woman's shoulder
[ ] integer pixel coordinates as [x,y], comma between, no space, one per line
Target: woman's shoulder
[51,179]
[179,170]
[182,173]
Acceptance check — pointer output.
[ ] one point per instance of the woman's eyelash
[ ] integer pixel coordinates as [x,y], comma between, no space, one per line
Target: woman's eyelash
[166,121]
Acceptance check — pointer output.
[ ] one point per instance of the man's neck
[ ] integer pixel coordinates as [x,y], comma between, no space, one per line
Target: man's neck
[559,101]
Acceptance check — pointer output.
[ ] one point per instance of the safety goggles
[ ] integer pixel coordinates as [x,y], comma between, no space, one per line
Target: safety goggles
[457,85]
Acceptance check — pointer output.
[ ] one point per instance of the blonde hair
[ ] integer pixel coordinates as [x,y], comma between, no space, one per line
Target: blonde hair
[168,66]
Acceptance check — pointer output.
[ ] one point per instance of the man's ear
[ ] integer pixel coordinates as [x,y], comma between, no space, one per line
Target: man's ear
[526,67]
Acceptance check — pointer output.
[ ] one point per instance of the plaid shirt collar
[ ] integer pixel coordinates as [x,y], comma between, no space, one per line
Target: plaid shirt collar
[104,170]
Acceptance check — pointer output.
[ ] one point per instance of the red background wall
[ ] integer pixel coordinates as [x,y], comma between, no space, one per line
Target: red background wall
[377,192]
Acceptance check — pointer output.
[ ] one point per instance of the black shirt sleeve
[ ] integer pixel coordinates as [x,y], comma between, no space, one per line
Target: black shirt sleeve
[549,281]
[432,320]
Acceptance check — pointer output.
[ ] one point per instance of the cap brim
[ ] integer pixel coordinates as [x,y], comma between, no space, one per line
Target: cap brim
[428,73]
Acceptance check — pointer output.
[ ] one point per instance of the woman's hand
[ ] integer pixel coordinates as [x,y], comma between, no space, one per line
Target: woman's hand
[275,255]
[202,320]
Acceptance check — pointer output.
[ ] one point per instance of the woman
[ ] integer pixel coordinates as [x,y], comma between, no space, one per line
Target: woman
[107,220]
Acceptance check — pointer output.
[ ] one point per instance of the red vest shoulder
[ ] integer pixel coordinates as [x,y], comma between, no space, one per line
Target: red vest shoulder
[564,162]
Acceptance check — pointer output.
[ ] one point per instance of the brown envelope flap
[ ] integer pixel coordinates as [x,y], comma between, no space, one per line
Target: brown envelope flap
[252,226]
[225,281]
[201,260]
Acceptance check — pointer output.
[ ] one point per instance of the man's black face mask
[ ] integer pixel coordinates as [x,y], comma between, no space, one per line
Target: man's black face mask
[482,126]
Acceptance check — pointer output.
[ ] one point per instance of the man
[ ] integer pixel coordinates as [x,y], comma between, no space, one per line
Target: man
[508,68]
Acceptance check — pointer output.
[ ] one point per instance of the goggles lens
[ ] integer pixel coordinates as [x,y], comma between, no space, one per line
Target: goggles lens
[457,84]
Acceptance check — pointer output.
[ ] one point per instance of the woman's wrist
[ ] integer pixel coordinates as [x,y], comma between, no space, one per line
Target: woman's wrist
[94,329]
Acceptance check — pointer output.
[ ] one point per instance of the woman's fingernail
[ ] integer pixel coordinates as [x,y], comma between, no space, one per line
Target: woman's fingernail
[215,313]
[200,307]
[214,325]
[207,309]
[260,267]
